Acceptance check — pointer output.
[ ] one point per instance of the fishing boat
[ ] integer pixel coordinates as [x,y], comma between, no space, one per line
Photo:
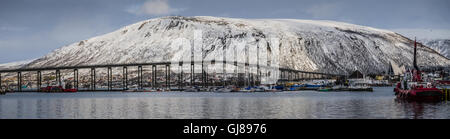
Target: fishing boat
[413,87]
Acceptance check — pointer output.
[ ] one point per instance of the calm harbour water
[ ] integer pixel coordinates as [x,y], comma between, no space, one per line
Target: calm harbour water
[291,105]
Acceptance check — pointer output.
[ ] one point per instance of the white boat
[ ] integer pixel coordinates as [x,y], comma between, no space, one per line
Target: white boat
[226,89]
[140,90]
[359,87]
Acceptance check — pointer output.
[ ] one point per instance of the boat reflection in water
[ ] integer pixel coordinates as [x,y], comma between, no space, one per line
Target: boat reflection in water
[420,109]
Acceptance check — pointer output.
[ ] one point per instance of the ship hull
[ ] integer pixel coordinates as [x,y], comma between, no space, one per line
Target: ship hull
[421,94]
[57,89]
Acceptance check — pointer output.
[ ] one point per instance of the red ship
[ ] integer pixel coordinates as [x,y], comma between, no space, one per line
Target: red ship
[413,87]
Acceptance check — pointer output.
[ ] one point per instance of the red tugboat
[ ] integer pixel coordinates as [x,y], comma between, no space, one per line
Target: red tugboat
[412,86]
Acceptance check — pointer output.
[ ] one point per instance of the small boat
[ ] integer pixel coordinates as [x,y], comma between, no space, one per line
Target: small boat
[272,90]
[236,89]
[248,89]
[360,88]
[338,87]
[279,87]
[325,89]
[192,89]
[314,85]
[139,90]
[265,89]
[296,87]
[58,89]
[2,91]
[128,90]
[224,90]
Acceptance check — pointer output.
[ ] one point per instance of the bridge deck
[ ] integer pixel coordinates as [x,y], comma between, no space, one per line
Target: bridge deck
[285,74]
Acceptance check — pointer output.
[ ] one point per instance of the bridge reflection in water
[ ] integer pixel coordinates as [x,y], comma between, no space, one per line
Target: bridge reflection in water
[167,75]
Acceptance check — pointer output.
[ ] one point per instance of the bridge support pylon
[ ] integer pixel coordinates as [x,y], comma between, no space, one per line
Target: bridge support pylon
[75,78]
[19,81]
[180,80]
[93,79]
[125,78]
[168,76]
[154,85]
[39,80]
[109,78]
[140,82]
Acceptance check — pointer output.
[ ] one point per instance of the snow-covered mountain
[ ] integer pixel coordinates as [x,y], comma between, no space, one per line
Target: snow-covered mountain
[15,65]
[320,46]
[440,45]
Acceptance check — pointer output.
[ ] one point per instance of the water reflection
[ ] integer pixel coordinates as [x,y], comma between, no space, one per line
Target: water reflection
[420,110]
[307,104]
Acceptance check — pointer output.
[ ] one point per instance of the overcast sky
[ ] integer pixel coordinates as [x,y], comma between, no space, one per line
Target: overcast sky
[32,28]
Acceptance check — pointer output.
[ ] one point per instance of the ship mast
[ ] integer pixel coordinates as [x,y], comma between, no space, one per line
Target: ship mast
[415,55]
[416,72]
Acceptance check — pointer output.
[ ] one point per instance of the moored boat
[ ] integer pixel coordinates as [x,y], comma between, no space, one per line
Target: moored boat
[325,89]
[2,91]
[192,89]
[361,87]
[263,88]
[356,88]
[58,89]
[140,90]
[226,89]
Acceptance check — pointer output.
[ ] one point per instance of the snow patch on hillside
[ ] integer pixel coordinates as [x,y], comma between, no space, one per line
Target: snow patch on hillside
[15,65]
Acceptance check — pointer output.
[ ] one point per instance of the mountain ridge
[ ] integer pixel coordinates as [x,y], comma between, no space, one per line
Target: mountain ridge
[308,45]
